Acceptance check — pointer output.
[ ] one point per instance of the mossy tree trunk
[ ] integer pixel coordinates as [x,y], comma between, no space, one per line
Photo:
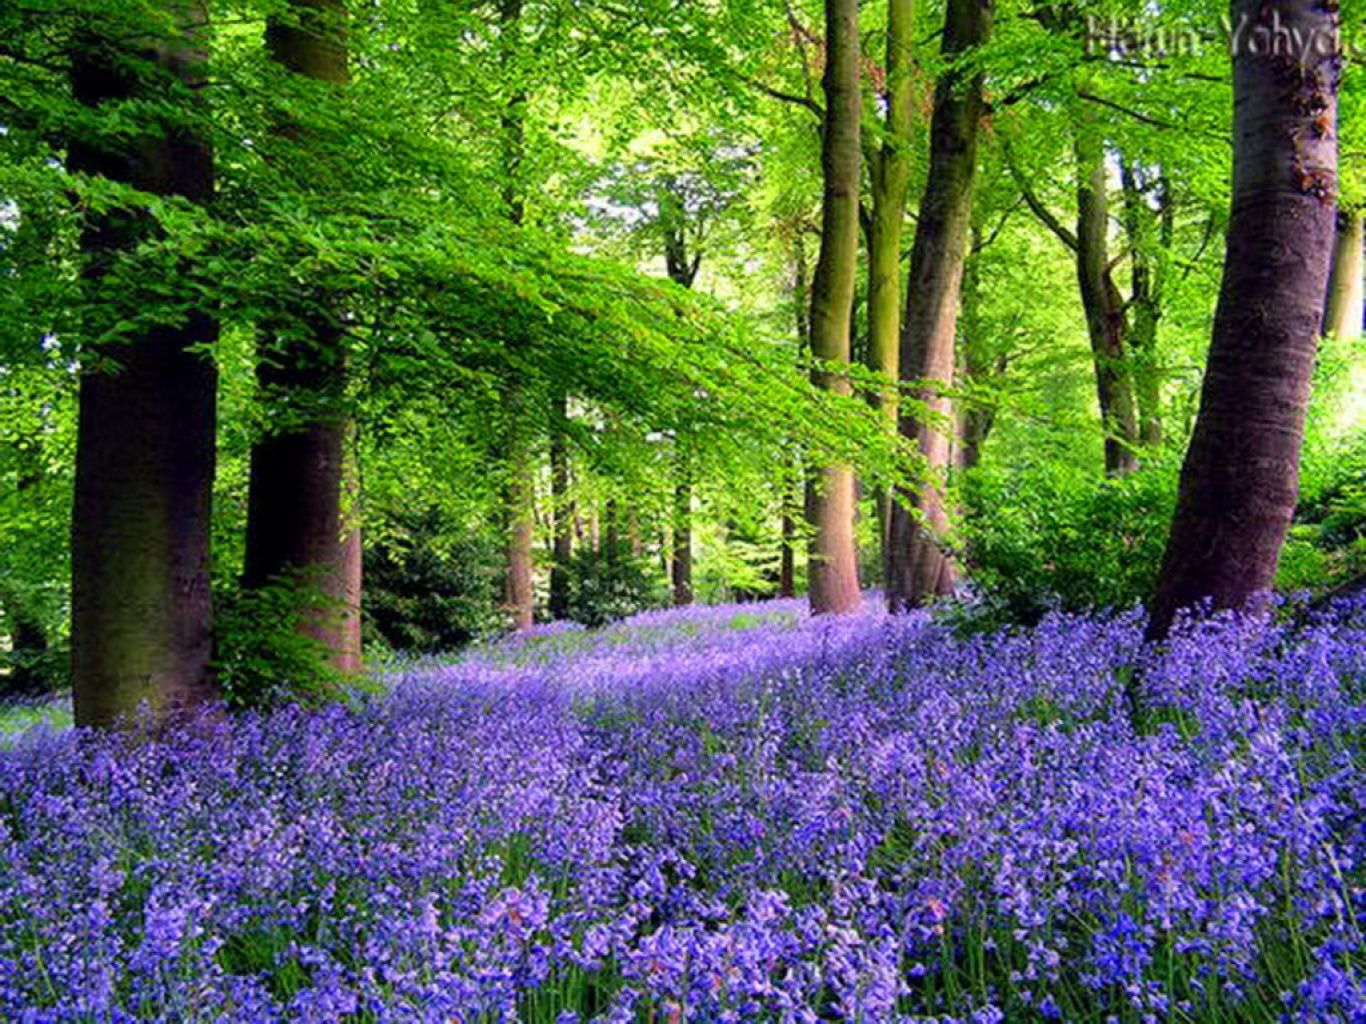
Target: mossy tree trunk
[830,504]
[918,564]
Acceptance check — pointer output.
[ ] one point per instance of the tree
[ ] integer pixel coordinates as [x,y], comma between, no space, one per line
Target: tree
[918,566]
[833,569]
[1342,315]
[301,529]
[889,167]
[1240,477]
[519,596]
[141,611]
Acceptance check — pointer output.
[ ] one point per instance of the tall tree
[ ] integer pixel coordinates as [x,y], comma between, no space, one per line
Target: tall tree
[141,615]
[1241,474]
[833,568]
[301,528]
[1107,324]
[520,489]
[1149,223]
[1343,313]
[890,170]
[561,508]
[681,262]
[1106,313]
[918,566]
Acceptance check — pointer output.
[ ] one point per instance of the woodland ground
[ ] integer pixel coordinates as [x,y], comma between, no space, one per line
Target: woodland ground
[723,814]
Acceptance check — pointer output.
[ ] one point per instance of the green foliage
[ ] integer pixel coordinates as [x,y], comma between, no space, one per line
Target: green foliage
[1056,536]
[261,656]
[609,583]
[429,586]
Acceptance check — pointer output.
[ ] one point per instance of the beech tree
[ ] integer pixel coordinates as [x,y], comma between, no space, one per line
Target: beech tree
[302,530]
[1240,477]
[141,610]
[889,172]
[1342,315]
[918,565]
[833,569]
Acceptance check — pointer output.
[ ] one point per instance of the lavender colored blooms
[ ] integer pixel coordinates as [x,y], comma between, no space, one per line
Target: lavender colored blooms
[724,814]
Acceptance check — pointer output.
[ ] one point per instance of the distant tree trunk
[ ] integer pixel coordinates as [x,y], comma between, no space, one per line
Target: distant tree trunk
[520,501]
[301,519]
[975,416]
[562,511]
[918,567]
[681,266]
[1106,322]
[1342,318]
[680,565]
[792,484]
[519,596]
[141,613]
[1145,298]
[890,171]
[787,562]
[28,653]
[833,568]
[1241,475]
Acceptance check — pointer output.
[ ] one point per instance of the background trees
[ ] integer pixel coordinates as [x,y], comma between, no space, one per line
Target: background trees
[533,297]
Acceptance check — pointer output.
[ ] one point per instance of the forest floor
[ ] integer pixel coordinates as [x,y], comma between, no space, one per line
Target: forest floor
[724,814]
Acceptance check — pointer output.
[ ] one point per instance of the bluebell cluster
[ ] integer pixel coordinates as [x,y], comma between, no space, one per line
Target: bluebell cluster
[724,814]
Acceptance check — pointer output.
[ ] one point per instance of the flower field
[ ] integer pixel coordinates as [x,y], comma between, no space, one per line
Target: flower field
[723,814]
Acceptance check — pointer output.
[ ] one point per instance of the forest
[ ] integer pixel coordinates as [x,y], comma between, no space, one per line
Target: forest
[619,511]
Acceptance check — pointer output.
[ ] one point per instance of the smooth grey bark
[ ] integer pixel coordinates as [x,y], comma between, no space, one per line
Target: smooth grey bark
[1240,478]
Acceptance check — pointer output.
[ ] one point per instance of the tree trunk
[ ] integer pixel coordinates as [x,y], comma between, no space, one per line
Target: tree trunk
[975,416]
[918,567]
[1241,475]
[1105,314]
[28,654]
[1342,318]
[519,596]
[680,566]
[562,511]
[793,496]
[301,519]
[141,610]
[1145,298]
[890,167]
[833,568]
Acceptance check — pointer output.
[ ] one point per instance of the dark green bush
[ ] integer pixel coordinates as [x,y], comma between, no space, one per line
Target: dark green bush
[430,585]
[610,583]
[1054,536]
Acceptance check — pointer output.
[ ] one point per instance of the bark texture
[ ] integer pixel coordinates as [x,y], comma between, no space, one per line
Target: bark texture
[918,566]
[519,595]
[890,172]
[1147,278]
[301,519]
[681,266]
[1106,320]
[1240,478]
[1343,315]
[830,505]
[561,509]
[141,613]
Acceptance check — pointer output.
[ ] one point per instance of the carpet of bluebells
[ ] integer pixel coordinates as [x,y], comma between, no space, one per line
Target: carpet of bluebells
[724,814]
